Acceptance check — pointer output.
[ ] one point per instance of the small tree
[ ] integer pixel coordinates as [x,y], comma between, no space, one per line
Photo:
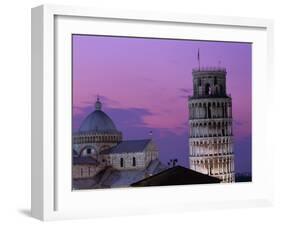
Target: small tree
[173,162]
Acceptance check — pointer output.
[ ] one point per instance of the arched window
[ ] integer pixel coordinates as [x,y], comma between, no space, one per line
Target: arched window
[89,151]
[205,110]
[209,111]
[121,162]
[221,90]
[207,89]
[217,90]
[134,161]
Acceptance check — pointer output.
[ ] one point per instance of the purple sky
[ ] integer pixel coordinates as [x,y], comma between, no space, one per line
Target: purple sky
[144,84]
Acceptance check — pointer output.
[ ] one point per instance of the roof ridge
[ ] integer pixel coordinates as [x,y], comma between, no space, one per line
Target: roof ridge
[127,146]
[137,140]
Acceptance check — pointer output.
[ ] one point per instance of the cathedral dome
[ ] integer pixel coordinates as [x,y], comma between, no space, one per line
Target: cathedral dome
[98,121]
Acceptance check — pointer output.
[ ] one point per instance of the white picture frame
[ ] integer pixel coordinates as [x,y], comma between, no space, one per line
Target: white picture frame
[52,197]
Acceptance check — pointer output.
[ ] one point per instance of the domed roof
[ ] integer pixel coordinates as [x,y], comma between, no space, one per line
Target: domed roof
[98,121]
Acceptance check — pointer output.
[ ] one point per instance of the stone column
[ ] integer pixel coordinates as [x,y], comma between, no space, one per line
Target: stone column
[193,112]
[223,166]
[208,166]
[228,166]
[205,130]
[217,110]
[219,165]
[226,129]
[217,127]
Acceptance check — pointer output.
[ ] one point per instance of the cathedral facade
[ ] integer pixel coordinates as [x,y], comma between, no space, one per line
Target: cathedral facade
[210,125]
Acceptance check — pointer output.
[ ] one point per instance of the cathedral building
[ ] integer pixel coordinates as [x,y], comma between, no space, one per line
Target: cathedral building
[102,159]
[210,125]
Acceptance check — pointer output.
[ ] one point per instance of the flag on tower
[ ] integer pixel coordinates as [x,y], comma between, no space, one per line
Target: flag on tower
[198,58]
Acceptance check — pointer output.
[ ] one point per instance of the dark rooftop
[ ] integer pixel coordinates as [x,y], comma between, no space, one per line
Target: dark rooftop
[210,97]
[128,146]
[209,69]
[87,160]
[74,153]
[177,175]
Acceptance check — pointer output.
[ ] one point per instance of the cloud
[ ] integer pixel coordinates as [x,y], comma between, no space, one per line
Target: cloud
[239,122]
[148,79]
[130,122]
[122,117]
[105,101]
[129,116]
[184,92]
[86,106]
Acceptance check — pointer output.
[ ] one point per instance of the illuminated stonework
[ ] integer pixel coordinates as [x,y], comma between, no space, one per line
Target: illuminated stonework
[101,158]
[210,123]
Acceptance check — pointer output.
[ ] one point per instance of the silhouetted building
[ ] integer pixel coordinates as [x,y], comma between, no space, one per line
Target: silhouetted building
[177,175]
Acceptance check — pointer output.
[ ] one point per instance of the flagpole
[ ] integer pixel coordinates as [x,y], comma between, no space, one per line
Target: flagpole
[198,58]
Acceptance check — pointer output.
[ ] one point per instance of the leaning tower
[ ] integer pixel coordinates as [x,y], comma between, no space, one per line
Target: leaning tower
[210,123]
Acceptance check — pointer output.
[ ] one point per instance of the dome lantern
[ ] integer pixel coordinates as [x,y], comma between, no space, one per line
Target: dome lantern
[98,104]
[98,121]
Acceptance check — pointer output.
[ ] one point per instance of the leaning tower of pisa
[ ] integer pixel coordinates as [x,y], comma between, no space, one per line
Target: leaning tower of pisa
[210,123]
